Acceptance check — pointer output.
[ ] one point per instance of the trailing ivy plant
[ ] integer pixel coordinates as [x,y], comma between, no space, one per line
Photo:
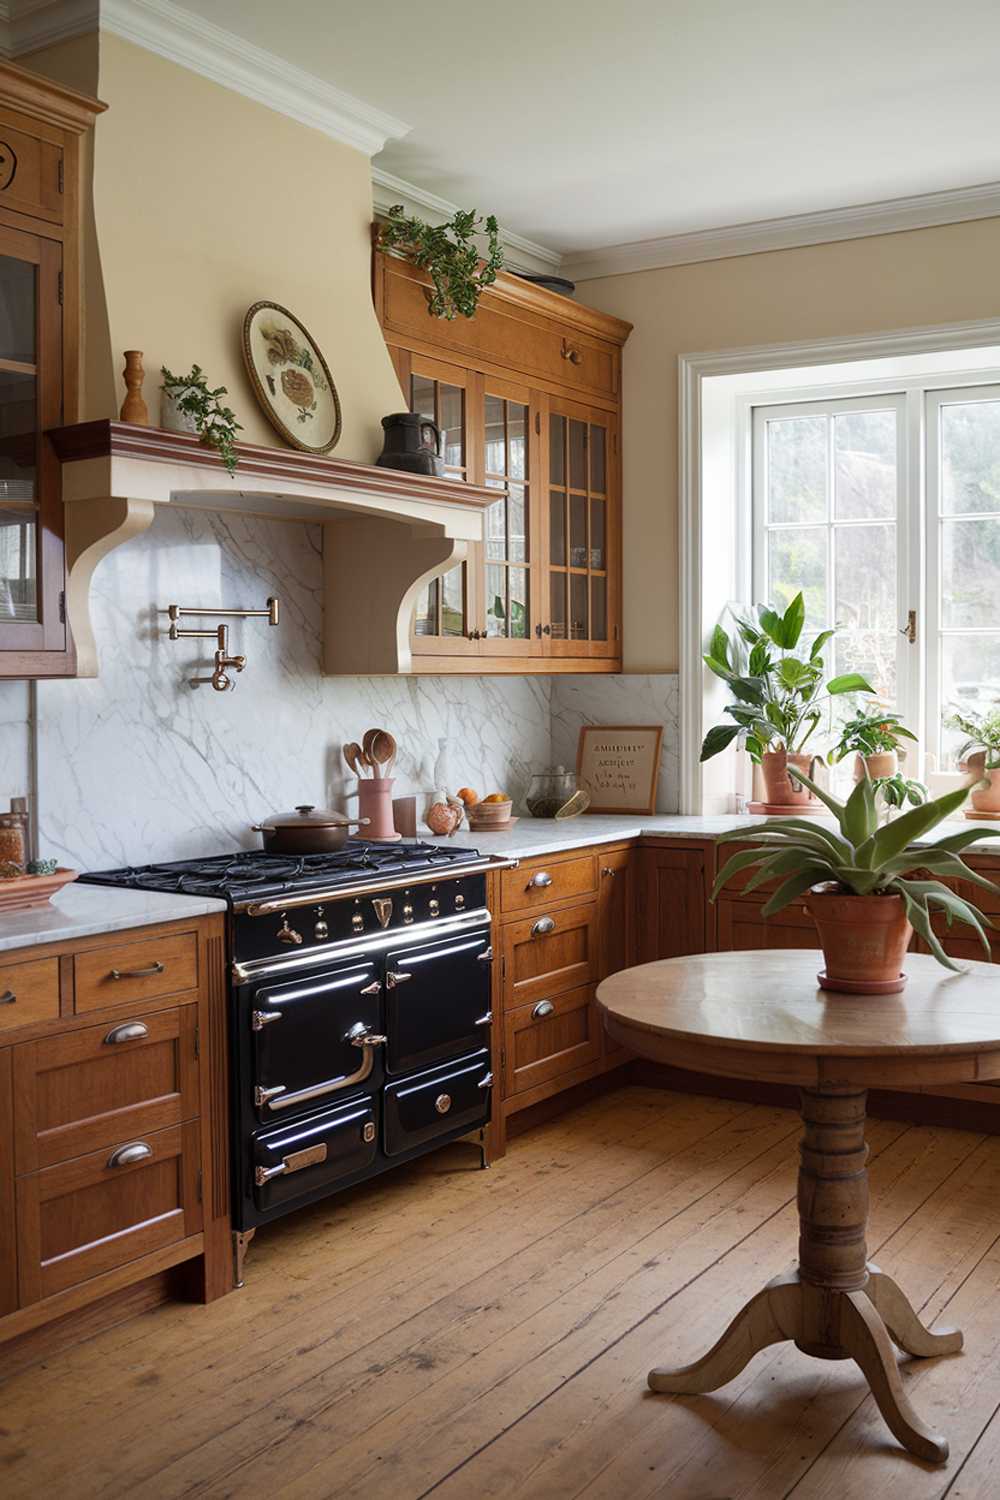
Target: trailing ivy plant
[449,253]
[217,425]
[779,695]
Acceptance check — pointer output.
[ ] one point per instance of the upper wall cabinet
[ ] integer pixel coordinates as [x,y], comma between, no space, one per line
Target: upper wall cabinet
[528,396]
[40,129]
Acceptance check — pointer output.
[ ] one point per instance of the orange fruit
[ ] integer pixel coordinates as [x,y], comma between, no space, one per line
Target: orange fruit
[468,796]
[497,797]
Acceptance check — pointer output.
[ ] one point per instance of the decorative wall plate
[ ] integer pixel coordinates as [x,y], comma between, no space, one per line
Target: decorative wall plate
[291,378]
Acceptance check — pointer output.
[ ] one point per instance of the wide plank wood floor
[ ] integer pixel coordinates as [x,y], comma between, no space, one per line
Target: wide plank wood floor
[468,1334]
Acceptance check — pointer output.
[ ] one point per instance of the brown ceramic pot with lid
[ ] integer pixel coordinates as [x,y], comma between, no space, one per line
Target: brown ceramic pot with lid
[307,830]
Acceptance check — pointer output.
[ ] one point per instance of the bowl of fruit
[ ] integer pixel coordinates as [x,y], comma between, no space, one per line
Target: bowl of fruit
[490,813]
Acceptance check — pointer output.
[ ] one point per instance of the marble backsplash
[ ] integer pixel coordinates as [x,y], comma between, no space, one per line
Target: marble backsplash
[136,765]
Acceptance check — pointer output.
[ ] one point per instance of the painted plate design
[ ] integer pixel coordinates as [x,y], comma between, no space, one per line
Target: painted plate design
[291,378]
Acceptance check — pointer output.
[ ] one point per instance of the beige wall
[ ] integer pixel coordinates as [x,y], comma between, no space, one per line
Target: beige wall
[206,202]
[857,287]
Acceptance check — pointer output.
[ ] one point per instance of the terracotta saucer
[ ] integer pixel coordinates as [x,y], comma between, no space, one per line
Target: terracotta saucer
[982,817]
[861,986]
[785,810]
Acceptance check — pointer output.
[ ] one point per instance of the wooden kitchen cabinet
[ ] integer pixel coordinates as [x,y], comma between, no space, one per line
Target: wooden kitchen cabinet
[528,396]
[40,128]
[616,923]
[550,1038]
[672,913]
[8,1233]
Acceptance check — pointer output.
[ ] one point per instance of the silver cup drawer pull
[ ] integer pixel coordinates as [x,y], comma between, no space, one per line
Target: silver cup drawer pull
[148,973]
[132,1031]
[8,998]
[542,1009]
[539,880]
[542,926]
[127,1156]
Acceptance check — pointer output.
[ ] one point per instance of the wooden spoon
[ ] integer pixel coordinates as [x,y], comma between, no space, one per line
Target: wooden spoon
[383,750]
[354,756]
[366,747]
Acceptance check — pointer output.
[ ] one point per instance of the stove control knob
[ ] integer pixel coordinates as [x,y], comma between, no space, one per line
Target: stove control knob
[407,914]
[459,901]
[288,934]
[321,931]
[357,919]
[442,1103]
[434,907]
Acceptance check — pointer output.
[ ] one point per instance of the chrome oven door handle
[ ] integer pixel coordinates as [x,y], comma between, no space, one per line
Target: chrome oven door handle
[486,1082]
[359,1036]
[486,1020]
[262,1018]
[395,977]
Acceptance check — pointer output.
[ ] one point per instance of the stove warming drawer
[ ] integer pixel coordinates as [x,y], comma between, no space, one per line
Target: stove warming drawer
[437,1102]
[315,1153]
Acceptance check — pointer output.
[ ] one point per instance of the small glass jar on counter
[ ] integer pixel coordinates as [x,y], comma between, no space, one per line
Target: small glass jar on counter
[549,791]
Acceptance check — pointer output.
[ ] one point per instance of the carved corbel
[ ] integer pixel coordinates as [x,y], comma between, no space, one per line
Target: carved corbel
[94,528]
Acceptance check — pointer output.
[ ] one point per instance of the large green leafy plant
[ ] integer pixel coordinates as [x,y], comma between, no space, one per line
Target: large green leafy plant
[449,252]
[779,694]
[864,859]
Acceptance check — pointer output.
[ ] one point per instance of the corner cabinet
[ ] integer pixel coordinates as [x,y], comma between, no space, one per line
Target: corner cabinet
[527,395]
[40,128]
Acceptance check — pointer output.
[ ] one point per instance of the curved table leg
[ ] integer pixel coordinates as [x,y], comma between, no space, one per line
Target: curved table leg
[864,1337]
[770,1317]
[905,1328]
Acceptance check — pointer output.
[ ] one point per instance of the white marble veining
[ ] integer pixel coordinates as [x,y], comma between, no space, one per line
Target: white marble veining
[15,740]
[136,765]
[629,698]
[80,910]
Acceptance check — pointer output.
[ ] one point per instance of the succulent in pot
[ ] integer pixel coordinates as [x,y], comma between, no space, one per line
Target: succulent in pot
[864,885]
[780,697]
[980,757]
[874,737]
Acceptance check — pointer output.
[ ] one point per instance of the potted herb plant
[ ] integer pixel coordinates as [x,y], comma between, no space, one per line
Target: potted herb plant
[874,738]
[449,253]
[864,885]
[188,405]
[980,757]
[780,696]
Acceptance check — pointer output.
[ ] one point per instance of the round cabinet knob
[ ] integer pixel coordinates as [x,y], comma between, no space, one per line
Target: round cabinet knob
[442,1103]
[608,872]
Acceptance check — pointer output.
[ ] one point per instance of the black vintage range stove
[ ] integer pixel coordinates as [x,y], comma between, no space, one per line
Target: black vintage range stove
[360,1022]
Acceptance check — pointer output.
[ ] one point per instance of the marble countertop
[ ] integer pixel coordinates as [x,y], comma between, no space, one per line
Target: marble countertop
[82,910]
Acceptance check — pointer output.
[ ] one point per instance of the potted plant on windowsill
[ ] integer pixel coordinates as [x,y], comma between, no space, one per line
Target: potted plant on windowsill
[874,738]
[780,697]
[864,885]
[979,756]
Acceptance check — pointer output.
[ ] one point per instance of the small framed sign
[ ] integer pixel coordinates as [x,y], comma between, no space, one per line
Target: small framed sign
[619,765]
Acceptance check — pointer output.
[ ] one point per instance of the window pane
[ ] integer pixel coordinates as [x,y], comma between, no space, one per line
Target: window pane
[865,563]
[496,530]
[557,529]
[970,573]
[519,627]
[599,609]
[579,620]
[598,481]
[496,458]
[597,559]
[864,448]
[870,652]
[557,604]
[452,403]
[496,601]
[453,602]
[557,450]
[17,309]
[578,531]
[970,682]
[578,455]
[797,560]
[516,511]
[796,469]
[422,396]
[970,457]
[517,437]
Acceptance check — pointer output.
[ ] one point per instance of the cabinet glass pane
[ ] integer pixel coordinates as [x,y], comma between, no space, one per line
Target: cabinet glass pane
[426,612]
[422,396]
[598,444]
[451,420]
[557,528]
[557,450]
[557,605]
[518,578]
[496,456]
[517,438]
[579,615]
[516,534]
[17,309]
[577,455]
[18,509]
[578,531]
[598,609]
[597,558]
[496,601]
[496,531]
[453,602]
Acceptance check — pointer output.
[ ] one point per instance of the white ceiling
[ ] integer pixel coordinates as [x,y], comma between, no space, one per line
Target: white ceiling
[584,124]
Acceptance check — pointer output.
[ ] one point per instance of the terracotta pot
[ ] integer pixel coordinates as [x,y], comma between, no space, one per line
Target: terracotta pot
[779,788]
[864,940]
[882,763]
[985,799]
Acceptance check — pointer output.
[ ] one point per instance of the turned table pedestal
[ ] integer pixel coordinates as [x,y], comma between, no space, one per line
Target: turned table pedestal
[760,1015]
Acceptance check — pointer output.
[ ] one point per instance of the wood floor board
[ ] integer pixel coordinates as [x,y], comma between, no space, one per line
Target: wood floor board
[485,1336]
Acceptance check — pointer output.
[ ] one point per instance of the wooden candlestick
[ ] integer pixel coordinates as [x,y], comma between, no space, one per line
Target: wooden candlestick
[134,408]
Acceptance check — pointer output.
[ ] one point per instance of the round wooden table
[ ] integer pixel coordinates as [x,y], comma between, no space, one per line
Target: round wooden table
[762,1016]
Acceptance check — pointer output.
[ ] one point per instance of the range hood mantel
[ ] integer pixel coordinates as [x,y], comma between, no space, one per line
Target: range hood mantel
[387,532]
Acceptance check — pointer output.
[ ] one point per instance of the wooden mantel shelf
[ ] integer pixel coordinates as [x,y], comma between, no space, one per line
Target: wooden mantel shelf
[387,532]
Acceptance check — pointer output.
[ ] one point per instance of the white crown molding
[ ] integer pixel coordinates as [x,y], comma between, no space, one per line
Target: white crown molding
[922,211]
[181,37]
[519,254]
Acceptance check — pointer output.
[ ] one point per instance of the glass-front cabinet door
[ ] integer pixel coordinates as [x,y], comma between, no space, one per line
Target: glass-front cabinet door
[582,560]
[31,555]
[510,621]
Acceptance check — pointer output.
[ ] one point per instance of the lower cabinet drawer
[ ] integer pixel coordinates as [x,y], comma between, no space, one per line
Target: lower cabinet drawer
[129,972]
[550,952]
[551,1037]
[29,992]
[87,1216]
[437,1101]
[314,1153]
[85,1090]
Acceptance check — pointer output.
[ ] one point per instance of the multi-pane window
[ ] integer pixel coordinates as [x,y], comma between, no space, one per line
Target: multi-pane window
[507,560]
[442,605]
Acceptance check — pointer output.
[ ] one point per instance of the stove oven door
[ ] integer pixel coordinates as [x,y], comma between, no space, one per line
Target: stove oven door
[437,1102]
[313,1154]
[437,999]
[315,1037]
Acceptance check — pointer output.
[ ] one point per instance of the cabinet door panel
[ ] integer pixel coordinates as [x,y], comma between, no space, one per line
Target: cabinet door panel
[741,926]
[583,533]
[509,567]
[616,908]
[549,952]
[551,1037]
[8,1242]
[672,903]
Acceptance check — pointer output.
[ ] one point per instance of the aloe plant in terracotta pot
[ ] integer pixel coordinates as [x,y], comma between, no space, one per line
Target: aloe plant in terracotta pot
[780,697]
[864,885]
